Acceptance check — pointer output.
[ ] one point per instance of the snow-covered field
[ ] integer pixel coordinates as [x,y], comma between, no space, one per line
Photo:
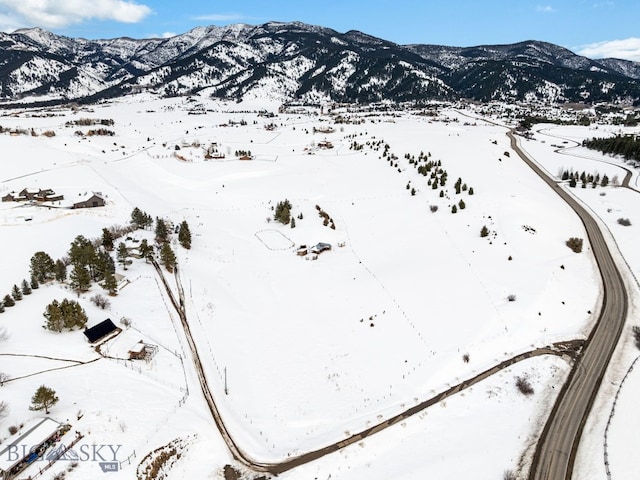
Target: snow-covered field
[310,350]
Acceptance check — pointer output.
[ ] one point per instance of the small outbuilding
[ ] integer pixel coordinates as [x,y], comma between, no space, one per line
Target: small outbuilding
[142,351]
[24,447]
[137,351]
[99,331]
[9,197]
[91,201]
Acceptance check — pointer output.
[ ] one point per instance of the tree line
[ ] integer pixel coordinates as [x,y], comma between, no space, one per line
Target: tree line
[627,146]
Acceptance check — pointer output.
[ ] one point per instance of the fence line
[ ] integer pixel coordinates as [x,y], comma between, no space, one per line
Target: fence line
[159,425]
[611,414]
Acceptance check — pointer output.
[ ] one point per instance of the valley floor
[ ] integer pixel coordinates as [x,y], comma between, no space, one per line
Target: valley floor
[304,351]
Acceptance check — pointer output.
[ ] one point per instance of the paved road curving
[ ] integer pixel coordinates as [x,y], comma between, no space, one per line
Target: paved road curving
[569,349]
[556,451]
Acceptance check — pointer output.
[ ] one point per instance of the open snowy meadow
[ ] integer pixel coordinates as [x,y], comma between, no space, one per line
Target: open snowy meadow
[304,349]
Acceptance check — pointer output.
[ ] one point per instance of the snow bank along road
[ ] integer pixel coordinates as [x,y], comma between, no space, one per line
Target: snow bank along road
[556,450]
[568,349]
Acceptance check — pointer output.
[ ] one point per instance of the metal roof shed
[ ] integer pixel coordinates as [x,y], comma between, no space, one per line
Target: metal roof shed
[19,446]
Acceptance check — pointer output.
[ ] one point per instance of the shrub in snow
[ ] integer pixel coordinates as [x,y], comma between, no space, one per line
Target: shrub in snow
[636,335]
[509,475]
[100,301]
[575,244]
[524,386]
[511,298]
[624,221]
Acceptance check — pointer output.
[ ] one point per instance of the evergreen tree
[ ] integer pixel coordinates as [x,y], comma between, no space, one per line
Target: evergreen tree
[162,232]
[470,190]
[484,231]
[26,288]
[572,183]
[147,220]
[80,278]
[136,217]
[167,257]
[42,266]
[122,254]
[1,306]
[462,205]
[145,249]
[60,271]
[110,284]
[454,209]
[441,193]
[34,283]
[293,222]
[43,399]
[53,314]
[83,253]
[184,235]
[16,293]
[283,212]
[73,314]
[104,264]
[605,181]
[107,239]
[141,219]
[8,301]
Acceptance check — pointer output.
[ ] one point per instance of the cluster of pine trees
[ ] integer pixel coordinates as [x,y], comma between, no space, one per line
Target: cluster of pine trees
[90,261]
[141,219]
[585,178]
[162,236]
[628,146]
[17,294]
[327,221]
[282,213]
[66,314]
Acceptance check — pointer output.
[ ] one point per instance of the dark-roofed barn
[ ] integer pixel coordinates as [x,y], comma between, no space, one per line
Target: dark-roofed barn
[100,330]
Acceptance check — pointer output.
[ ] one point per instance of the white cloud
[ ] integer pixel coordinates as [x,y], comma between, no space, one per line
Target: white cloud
[628,49]
[545,9]
[220,17]
[62,13]
[162,35]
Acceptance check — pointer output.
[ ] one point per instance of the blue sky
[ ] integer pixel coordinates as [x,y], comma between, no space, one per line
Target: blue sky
[595,28]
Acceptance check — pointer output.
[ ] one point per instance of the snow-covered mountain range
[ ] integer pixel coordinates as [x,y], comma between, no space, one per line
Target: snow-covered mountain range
[296,61]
